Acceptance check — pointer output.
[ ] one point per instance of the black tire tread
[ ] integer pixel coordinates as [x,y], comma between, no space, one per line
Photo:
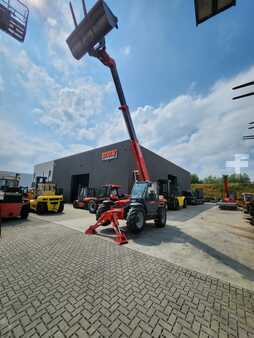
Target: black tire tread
[158,222]
[131,220]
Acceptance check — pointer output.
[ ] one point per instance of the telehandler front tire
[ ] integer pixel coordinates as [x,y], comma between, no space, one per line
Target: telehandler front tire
[135,220]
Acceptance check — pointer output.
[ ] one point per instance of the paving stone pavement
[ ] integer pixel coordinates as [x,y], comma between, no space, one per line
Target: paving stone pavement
[57,282]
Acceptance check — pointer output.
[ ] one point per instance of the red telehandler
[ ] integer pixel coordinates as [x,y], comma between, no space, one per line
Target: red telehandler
[229,201]
[145,202]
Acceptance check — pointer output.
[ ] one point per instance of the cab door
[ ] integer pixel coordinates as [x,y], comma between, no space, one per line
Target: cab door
[152,200]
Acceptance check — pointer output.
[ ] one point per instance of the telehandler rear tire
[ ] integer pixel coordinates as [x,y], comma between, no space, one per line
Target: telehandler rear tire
[161,221]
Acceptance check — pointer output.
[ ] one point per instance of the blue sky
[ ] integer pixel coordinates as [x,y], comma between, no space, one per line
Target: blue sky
[177,79]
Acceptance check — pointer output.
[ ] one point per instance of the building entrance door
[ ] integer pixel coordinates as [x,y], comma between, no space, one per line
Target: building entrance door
[77,182]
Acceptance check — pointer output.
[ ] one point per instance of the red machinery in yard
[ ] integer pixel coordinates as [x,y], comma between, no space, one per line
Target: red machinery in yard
[145,202]
[90,198]
[12,201]
[229,201]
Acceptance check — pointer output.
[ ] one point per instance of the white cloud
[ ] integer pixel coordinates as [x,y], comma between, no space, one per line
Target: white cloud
[197,132]
[19,152]
[200,132]
[69,109]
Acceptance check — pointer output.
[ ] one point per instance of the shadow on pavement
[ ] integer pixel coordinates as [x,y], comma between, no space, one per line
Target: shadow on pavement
[49,214]
[191,211]
[170,234]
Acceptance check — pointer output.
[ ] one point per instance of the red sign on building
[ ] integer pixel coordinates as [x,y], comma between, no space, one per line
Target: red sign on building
[109,155]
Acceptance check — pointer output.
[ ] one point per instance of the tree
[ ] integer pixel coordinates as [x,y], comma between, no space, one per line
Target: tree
[242,178]
[212,179]
[194,179]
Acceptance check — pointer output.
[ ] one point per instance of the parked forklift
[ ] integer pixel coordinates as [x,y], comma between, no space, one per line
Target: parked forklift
[90,198]
[145,202]
[12,200]
[169,190]
[85,195]
[44,197]
[194,197]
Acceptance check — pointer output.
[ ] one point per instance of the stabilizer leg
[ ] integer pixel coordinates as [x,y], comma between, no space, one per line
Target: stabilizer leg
[110,215]
[120,235]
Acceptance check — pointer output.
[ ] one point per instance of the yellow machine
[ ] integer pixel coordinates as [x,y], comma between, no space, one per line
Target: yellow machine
[43,197]
[181,201]
[169,190]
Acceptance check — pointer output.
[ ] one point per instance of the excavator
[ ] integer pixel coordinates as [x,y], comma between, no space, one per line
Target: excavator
[145,203]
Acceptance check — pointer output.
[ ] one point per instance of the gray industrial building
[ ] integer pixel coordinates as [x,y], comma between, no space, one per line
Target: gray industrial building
[110,164]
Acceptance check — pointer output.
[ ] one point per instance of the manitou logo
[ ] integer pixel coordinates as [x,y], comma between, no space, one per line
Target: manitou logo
[109,155]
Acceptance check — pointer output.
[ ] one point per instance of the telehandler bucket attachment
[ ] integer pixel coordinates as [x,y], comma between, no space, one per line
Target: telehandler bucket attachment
[98,22]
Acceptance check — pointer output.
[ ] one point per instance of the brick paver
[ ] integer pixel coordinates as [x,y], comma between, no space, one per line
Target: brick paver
[56,282]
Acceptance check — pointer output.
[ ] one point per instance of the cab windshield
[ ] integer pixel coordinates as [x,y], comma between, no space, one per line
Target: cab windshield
[139,190]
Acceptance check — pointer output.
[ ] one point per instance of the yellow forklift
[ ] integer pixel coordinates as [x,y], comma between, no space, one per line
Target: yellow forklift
[44,197]
[169,190]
